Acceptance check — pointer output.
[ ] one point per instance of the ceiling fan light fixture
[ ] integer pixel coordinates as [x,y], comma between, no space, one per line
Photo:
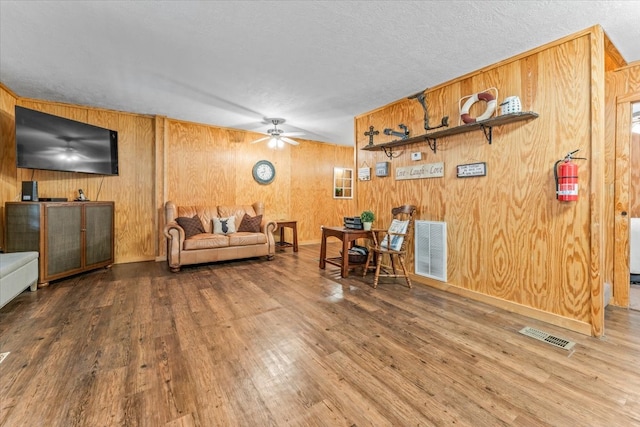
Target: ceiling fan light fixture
[276,137]
[275,142]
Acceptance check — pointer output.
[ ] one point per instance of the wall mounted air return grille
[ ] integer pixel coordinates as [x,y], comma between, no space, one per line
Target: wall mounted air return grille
[431,249]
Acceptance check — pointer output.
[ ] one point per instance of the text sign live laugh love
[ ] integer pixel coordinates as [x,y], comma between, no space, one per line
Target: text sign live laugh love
[431,170]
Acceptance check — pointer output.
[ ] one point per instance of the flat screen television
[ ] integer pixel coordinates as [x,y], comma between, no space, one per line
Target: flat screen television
[45,141]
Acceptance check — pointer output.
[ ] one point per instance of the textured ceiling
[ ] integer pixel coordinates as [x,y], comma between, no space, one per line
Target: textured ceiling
[315,63]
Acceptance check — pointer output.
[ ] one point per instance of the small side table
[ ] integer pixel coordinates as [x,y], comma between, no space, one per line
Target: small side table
[348,237]
[293,225]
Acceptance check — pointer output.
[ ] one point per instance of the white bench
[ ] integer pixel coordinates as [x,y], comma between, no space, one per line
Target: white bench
[18,271]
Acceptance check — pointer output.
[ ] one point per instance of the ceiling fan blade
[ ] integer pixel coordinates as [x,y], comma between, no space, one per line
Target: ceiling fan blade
[289,140]
[292,133]
[261,139]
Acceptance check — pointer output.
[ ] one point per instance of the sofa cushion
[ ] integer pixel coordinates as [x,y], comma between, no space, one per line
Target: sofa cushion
[206,241]
[224,225]
[191,226]
[250,224]
[247,239]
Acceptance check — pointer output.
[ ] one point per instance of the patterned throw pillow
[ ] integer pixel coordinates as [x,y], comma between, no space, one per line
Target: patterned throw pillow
[224,225]
[191,226]
[250,224]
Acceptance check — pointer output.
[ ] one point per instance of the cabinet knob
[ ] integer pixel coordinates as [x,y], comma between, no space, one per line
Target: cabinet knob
[623,213]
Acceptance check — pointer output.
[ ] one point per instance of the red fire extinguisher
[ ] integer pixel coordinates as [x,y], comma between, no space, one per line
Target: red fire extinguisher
[567,178]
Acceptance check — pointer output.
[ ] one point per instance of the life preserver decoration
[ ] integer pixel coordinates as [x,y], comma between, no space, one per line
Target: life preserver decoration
[480,96]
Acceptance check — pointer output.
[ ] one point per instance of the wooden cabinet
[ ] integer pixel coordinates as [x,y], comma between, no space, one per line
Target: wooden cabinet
[71,237]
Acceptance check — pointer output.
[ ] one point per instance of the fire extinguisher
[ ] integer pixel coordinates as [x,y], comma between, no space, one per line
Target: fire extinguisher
[567,178]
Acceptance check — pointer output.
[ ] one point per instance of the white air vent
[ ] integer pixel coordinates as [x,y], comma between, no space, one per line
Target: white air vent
[548,338]
[431,249]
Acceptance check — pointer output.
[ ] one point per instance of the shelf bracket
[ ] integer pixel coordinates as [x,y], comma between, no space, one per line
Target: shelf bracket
[432,143]
[389,152]
[488,133]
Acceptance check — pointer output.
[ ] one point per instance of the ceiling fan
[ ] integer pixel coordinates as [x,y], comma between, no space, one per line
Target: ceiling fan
[277,137]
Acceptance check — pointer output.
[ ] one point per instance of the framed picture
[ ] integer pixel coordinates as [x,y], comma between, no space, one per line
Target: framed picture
[364,174]
[382,169]
[472,169]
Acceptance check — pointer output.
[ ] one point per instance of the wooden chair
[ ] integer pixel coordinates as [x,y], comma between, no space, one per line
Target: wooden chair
[392,242]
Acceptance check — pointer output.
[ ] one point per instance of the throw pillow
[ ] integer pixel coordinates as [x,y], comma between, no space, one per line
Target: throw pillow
[250,224]
[224,225]
[191,226]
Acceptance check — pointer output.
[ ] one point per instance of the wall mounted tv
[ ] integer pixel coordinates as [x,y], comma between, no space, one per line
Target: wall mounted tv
[45,141]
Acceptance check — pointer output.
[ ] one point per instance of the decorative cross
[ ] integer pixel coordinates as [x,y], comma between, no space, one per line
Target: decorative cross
[371,133]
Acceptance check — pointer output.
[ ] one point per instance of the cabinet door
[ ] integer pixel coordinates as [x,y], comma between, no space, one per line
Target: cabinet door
[98,234]
[64,239]
[23,227]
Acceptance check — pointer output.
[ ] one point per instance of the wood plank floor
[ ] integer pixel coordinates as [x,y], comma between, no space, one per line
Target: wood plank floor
[282,343]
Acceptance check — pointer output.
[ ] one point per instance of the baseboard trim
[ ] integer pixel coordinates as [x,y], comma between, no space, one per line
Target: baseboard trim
[534,313]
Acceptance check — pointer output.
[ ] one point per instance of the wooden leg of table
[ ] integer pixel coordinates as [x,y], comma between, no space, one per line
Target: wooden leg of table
[323,250]
[281,235]
[295,237]
[345,258]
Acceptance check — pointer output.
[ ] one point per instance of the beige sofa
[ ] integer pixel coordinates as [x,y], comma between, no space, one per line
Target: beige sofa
[206,246]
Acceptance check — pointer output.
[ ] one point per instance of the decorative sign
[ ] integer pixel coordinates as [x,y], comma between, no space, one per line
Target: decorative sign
[472,169]
[382,169]
[364,174]
[430,170]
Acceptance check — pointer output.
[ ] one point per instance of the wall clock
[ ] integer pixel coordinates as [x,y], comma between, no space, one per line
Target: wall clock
[264,172]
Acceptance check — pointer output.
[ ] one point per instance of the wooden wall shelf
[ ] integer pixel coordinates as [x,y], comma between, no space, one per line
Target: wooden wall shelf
[432,137]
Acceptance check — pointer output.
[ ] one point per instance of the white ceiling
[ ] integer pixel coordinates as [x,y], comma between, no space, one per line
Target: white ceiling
[315,63]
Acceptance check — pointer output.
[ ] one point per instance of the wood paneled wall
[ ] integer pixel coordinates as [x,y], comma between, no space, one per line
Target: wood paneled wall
[132,190]
[207,165]
[8,187]
[510,242]
[189,163]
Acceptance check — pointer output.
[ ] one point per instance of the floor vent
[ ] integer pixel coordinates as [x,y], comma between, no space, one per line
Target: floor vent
[543,336]
[4,356]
